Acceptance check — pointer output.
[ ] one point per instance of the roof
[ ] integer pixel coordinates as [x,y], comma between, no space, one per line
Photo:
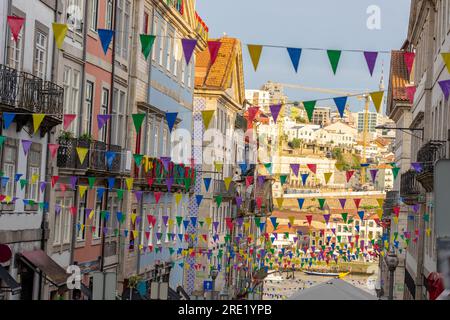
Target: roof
[334,289]
[219,75]
[398,79]
[54,272]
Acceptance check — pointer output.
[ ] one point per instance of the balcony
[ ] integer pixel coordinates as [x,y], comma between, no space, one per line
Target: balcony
[221,190]
[183,176]
[241,122]
[428,155]
[409,187]
[25,93]
[95,159]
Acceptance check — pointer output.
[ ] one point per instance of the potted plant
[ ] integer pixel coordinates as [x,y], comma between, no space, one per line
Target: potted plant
[65,136]
[86,137]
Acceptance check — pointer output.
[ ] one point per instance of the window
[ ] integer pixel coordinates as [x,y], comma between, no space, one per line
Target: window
[109,14]
[34,169]
[131,233]
[75,14]
[114,206]
[118,117]
[88,107]
[15,50]
[104,110]
[147,148]
[162,39]
[169,215]
[81,219]
[156,144]
[122,28]
[94,15]
[164,142]
[9,168]
[169,50]
[71,83]
[176,54]
[40,54]
[159,222]
[62,227]
[97,223]
[57,226]
[155,32]
[189,71]
[145,23]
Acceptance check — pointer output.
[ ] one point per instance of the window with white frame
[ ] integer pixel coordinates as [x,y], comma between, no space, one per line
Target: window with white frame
[97,223]
[162,41]
[176,54]
[40,54]
[114,206]
[118,117]
[123,28]
[62,224]
[94,15]
[150,228]
[9,166]
[89,101]
[167,227]
[71,84]
[109,14]
[149,142]
[164,142]
[169,49]
[57,228]
[156,144]
[155,29]
[75,14]
[183,71]
[34,169]
[67,222]
[104,110]
[15,51]
[81,218]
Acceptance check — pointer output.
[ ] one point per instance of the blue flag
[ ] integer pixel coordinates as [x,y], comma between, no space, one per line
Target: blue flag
[361,215]
[199,199]
[100,192]
[111,181]
[304,177]
[300,202]
[110,156]
[8,118]
[194,221]
[295,54]
[185,223]
[243,167]
[207,182]
[170,118]
[340,104]
[105,36]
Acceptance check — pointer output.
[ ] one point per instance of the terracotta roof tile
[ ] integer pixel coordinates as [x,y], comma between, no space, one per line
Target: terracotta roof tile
[399,78]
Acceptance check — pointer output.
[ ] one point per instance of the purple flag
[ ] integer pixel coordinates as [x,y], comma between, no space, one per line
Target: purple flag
[165,219]
[188,48]
[261,179]
[326,217]
[333,230]
[169,183]
[73,182]
[342,202]
[238,201]
[239,221]
[215,225]
[445,86]
[371,59]
[373,174]
[26,144]
[416,207]
[275,110]
[138,195]
[102,119]
[417,166]
[165,161]
[295,167]
[57,208]
[87,212]
[42,185]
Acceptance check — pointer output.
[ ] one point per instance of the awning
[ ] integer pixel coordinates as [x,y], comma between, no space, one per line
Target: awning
[38,259]
[12,284]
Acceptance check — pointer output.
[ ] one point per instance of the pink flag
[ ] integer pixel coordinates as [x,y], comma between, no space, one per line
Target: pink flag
[410,92]
[15,24]
[53,148]
[214,47]
[67,120]
[409,60]
[252,111]
[312,167]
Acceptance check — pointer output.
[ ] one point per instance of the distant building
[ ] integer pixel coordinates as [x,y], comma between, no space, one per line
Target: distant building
[322,116]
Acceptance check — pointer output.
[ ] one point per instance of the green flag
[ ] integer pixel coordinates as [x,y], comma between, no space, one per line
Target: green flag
[138,118]
[147,41]
[138,159]
[344,217]
[2,140]
[283,178]
[218,201]
[334,56]
[23,183]
[91,181]
[119,194]
[321,203]
[395,171]
[309,108]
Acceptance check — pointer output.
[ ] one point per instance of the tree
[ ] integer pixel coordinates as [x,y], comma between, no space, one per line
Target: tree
[295,143]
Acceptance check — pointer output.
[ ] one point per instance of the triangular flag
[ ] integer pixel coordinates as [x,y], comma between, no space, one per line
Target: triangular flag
[110,156]
[178,197]
[218,200]
[410,93]
[340,104]
[37,120]
[373,174]
[138,159]
[129,182]
[8,118]
[446,58]
[170,118]
[102,119]
[321,203]
[207,182]
[157,195]
[371,59]
[147,41]
[82,152]
[53,148]
[105,36]
[82,190]
[409,60]
[198,199]
[334,56]
[395,172]
[309,218]
[327,176]
[138,118]
[252,111]
[188,48]
[283,178]
[280,202]
[445,86]
[342,202]
[213,47]
[68,119]
[377,98]
[295,54]
[344,217]
[255,54]
[361,215]
[349,174]
[309,108]
[300,201]
[295,167]
[275,111]
[15,25]
[227,181]
[218,166]
[207,116]
[304,178]
[312,167]
[60,31]
[357,201]
[26,144]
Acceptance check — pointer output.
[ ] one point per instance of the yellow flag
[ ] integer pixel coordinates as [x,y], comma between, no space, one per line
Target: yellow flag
[8,199]
[178,197]
[280,202]
[208,221]
[380,213]
[227,182]
[129,182]
[82,152]
[246,225]
[377,99]
[327,176]
[91,215]
[37,120]
[207,116]
[291,220]
[380,202]
[446,58]
[133,217]
[82,227]
[60,31]
[218,165]
[82,190]
[339,166]
[255,54]
[141,247]
[428,231]
[34,178]
[170,222]
[396,219]
[135,234]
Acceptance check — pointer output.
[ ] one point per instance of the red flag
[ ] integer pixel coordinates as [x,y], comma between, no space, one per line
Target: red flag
[63,187]
[54,180]
[396,211]
[357,201]
[252,111]
[73,210]
[15,25]
[67,120]
[214,47]
[248,180]
[349,174]
[150,181]
[259,202]
[312,167]
[409,60]
[53,148]
[229,223]
[309,219]
[157,196]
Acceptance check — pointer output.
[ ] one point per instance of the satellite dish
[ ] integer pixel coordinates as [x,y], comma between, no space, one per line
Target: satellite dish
[5,253]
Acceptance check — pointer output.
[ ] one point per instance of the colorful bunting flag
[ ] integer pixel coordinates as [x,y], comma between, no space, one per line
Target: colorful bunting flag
[334,56]
[15,25]
[371,58]
[309,108]
[255,54]
[295,54]
[60,31]
[213,47]
[275,110]
[147,41]
[105,36]
[207,116]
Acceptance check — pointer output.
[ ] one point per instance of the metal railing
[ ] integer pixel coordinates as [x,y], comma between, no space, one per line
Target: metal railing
[21,91]
[409,186]
[430,152]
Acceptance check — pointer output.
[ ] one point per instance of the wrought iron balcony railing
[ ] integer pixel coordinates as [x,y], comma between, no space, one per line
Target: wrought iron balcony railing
[431,152]
[95,158]
[409,187]
[24,92]
[220,189]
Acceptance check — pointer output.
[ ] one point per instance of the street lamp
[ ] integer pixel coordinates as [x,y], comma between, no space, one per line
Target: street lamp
[382,127]
[392,263]
[213,273]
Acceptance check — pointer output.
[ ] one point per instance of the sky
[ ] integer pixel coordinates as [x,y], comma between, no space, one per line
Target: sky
[327,24]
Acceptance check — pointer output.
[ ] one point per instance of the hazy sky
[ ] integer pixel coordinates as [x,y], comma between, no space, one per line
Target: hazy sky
[328,24]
